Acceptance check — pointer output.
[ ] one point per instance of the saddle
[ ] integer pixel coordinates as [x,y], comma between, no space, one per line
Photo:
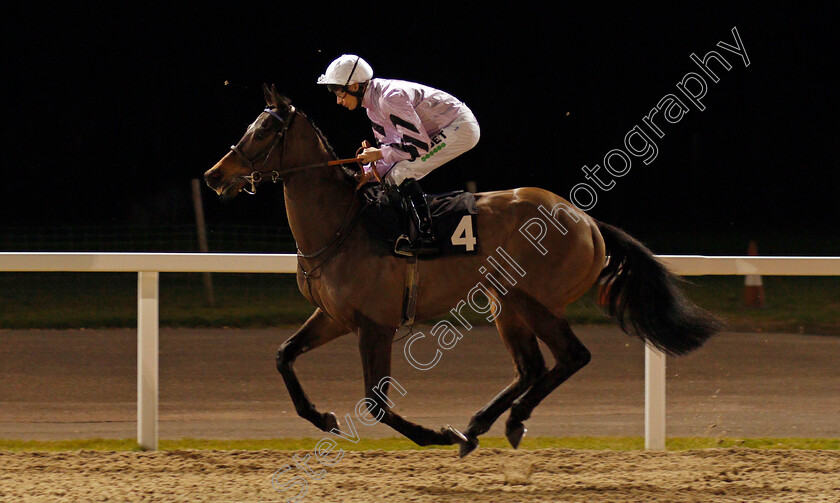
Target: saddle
[454,214]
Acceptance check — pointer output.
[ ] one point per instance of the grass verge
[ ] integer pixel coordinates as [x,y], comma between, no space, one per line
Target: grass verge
[808,305]
[400,444]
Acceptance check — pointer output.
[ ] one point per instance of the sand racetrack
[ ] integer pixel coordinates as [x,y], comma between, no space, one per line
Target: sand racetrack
[222,384]
[489,475]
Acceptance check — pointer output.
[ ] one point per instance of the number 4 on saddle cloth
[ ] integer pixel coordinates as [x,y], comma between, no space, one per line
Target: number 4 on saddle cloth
[387,218]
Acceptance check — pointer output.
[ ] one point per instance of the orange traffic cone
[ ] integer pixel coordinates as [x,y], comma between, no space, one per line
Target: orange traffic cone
[753,287]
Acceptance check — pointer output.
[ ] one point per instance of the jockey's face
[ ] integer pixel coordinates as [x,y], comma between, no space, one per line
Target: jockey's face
[346,99]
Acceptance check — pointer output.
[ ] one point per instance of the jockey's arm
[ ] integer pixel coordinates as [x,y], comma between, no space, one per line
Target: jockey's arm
[371,155]
[368,156]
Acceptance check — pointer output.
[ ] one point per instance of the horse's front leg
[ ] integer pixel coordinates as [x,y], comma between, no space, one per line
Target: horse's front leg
[318,330]
[375,348]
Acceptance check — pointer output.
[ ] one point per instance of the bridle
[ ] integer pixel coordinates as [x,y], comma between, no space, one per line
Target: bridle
[256,175]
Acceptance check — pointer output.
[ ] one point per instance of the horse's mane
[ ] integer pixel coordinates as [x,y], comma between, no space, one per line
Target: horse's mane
[348,173]
[321,135]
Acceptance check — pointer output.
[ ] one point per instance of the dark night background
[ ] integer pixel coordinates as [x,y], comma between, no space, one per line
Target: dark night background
[109,112]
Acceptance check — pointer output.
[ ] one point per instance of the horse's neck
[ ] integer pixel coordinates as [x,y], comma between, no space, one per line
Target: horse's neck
[318,200]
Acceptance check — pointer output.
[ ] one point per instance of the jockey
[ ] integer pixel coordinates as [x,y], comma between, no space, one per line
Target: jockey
[417,129]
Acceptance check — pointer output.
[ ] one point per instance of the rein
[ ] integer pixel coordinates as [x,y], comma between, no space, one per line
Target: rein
[256,175]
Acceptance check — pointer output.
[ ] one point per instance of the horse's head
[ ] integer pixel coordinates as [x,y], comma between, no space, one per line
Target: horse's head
[258,154]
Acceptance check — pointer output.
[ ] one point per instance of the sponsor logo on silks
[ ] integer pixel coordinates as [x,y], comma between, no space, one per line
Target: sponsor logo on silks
[437,140]
[432,152]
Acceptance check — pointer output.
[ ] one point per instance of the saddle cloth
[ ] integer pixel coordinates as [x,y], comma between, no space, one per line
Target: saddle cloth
[453,218]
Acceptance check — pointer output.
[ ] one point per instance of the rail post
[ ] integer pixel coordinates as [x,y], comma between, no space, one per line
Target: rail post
[654,399]
[147,359]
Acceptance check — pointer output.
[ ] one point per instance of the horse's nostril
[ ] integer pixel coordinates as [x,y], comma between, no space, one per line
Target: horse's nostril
[212,176]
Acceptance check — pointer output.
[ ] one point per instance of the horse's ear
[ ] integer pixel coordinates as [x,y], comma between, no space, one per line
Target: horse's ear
[268,94]
[280,102]
[275,100]
[284,102]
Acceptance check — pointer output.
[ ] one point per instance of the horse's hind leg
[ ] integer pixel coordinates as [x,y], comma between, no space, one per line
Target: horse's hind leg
[375,347]
[318,330]
[569,353]
[529,363]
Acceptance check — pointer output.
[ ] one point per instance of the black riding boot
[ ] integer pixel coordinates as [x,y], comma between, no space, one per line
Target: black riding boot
[425,242]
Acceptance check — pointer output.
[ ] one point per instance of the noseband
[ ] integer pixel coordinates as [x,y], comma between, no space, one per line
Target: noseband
[256,175]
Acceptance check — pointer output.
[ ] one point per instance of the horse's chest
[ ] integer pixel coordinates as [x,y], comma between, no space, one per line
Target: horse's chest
[343,294]
[322,291]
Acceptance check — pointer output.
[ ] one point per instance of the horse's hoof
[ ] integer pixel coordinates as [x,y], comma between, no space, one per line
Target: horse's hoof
[468,447]
[514,434]
[455,436]
[331,422]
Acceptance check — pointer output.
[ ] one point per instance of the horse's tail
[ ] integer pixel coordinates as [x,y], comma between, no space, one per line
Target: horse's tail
[642,293]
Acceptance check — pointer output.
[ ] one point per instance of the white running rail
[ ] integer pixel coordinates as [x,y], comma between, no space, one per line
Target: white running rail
[149,265]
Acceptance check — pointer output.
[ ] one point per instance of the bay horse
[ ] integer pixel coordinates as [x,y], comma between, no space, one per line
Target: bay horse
[357,284]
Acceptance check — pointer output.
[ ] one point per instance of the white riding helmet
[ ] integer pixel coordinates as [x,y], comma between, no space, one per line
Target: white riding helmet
[345,70]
